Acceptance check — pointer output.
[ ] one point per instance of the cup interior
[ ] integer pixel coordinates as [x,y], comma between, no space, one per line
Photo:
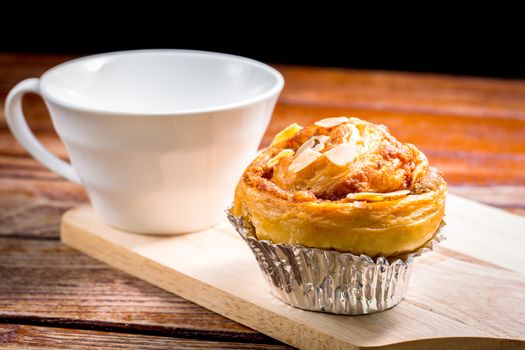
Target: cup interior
[160,82]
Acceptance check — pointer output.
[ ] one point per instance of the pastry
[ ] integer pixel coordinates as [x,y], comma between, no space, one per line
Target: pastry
[344,184]
[335,214]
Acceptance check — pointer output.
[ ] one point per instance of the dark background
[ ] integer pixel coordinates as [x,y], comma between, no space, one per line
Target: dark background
[334,37]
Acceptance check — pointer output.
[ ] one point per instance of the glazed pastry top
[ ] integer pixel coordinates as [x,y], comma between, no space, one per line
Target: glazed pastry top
[337,158]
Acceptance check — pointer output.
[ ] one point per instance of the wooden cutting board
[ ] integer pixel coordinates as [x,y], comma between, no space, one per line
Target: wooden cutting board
[469,293]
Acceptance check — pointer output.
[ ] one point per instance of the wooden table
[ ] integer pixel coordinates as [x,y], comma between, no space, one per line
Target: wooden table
[52,296]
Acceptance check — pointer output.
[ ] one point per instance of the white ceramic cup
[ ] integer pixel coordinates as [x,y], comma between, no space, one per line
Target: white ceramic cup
[158,138]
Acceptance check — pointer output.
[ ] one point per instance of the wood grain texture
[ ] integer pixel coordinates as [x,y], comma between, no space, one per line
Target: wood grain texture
[454,292]
[403,92]
[63,286]
[13,336]
[471,128]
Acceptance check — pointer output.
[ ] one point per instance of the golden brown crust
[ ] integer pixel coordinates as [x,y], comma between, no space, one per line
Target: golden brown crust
[315,205]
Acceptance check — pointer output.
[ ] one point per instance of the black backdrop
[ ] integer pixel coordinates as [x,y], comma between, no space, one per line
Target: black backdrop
[495,49]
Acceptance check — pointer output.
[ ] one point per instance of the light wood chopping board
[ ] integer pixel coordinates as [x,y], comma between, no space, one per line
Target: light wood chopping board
[469,293]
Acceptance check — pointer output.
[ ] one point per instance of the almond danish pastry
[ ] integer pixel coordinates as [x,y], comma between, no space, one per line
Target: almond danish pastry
[343,184]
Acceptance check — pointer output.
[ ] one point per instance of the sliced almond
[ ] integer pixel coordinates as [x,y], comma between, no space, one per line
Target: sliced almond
[310,143]
[307,157]
[377,197]
[284,153]
[360,204]
[286,133]
[342,154]
[331,122]
[319,147]
[321,139]
[355,136]
[315,142]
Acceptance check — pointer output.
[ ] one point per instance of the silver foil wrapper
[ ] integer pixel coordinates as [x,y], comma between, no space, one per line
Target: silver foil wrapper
[330,281]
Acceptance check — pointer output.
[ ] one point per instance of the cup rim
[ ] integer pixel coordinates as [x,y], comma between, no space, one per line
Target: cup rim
[274,90]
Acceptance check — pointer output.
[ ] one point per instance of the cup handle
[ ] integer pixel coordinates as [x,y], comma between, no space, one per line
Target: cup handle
[18,125]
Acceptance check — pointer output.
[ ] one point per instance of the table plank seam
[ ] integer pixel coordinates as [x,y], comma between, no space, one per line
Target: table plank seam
[139,329]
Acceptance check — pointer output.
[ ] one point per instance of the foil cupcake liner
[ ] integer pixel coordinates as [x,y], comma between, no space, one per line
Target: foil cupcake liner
[330,281]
